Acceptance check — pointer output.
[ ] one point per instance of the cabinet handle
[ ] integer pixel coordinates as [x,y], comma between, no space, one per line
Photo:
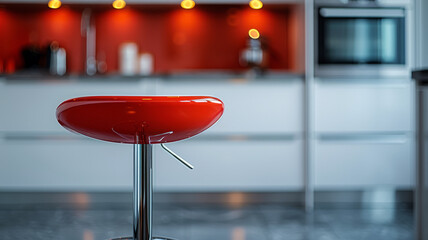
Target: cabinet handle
[398,137]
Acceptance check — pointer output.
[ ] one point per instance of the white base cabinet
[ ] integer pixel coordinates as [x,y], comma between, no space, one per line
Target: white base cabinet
[364,137]
[29,106]
[364,134]
[364,165]
[65,165]
[370,105]
[231,166]
[262,106]
[256,146]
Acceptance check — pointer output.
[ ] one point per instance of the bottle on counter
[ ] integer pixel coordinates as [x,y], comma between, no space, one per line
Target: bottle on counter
[58,62]
[145,64]
[128,59]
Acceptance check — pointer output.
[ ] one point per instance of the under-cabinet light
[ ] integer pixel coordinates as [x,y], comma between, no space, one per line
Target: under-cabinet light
[256,4]
[54,4]
[187,4]
[119,4]
[254,33]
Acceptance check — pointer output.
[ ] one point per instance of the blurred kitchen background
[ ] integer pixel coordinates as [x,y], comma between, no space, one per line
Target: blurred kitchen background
[317,141]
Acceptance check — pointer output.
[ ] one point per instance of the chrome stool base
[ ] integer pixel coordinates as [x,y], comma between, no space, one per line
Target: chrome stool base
[131,238]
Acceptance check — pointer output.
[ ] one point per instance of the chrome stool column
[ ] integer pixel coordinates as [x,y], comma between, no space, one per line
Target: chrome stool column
[143,192]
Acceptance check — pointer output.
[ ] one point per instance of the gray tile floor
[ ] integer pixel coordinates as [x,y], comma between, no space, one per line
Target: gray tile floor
[197,222]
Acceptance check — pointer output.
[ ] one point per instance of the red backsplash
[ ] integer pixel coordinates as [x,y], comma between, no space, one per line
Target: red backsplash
[19,28]
[206,37]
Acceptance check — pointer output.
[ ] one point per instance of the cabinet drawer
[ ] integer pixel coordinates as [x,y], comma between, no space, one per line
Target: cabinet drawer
[231,166]
[65,165]
[367,107]
[363,164]
[264,107]
[30,107]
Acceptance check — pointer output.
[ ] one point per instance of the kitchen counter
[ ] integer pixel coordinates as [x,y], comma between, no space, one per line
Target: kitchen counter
[197,75]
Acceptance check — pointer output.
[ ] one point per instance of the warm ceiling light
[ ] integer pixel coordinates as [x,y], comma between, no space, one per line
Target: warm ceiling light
[187,4]
[119,4]
[254,33]
[54,4]
[256,4]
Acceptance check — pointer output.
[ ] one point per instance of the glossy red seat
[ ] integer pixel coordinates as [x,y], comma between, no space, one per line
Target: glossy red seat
[142,121]
[139,120]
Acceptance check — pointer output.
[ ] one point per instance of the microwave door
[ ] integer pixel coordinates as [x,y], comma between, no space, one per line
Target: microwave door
[351,36]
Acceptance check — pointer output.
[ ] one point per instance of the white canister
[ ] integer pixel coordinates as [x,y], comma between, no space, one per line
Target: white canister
[146,64]
[58,62]
[61,62]
[128,59]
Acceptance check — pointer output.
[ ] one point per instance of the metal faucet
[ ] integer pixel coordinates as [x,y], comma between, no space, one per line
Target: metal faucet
[87,30]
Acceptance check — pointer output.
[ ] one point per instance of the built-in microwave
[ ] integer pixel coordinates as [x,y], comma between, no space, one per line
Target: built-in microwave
[361,38]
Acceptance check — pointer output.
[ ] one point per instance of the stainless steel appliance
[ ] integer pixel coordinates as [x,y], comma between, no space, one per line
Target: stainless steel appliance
[421,196]
[255,55]
[362,38]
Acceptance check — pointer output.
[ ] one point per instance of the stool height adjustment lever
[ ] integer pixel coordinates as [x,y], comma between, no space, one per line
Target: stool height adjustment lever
[190,166]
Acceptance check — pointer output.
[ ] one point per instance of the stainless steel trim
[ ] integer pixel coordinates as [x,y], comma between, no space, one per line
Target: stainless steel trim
[309,100]
[46,136]
[386,137]
[402,83]
[143,192]
[362,71]
[27,136]
[361,12]
[420,151]
[363,3]
[247,137]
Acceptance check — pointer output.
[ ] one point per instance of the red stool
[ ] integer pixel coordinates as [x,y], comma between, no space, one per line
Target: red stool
[141,121]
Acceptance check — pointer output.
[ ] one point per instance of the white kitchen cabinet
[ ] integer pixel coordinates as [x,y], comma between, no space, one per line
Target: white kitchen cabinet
[359,164]
[29,106]
[268,165]
[371,105]
[256,146]
[262,106]
[364,134]
[79,164]
[36,153]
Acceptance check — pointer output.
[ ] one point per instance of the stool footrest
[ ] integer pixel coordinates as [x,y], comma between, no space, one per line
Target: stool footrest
[187,164]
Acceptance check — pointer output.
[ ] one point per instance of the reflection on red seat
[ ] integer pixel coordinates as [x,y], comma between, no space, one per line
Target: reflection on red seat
[139,119]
